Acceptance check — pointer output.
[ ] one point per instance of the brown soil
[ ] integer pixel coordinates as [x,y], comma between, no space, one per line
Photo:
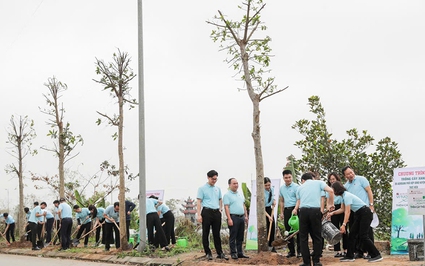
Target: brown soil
[268,258]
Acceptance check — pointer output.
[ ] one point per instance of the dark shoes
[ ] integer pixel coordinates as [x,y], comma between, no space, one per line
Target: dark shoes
[290,255]
[243,256]
[234,256]
[35,248]
[375,259]
[222,256]
[299,255]
[209,257]
[273,250]
[347,259]
[317,264]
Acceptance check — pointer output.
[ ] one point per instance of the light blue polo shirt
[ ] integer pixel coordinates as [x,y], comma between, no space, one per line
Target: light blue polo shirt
[355,202]
[210,196]
[49,215]
[33,218]
[310,193]
[41,218]
[288,193]
[55,211]
[100,212]
[83,215]
[163,209]
[150,205]
[66,211]
[28,215]
[235,201]
[111,213]
[337,199]
[268,203]
[9,220]
[357,187]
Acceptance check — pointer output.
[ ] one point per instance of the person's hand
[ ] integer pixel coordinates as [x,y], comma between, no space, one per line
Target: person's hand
[329,215]
[331,208]
[230,222]
[44,213]
[281,216]
[295,212]
[246,219]
[372,209]
[271,219]
[128,213]
[342,229]
[200,218]
[78,226]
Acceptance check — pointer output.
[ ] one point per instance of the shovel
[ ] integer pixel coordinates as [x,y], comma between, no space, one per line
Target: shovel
[48,244]
[270,226]
[284,241]
[76,230]
[75,242]
[5,238]
[24,236]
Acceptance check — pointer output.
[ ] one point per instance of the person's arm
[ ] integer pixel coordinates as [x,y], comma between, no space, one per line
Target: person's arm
[297,206]
[245,213]
[322,204]
[347,211]
[131,207]
[370,194]
[330,203]
[229,218]
[107,217]
[281,205]
[7,227]
[198,210]
[220,205]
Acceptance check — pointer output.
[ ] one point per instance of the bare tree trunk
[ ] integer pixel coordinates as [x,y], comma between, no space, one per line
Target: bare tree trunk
[261,213]
[21,214]
[61,156]
[123,229]
[259,164]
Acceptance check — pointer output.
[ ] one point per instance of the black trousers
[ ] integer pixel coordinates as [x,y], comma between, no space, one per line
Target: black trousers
[287,213]
[127,227]
[33,227]
[10,233]
[84,228]
[237,231]
[360,229]
[273,230]
[154,223]
[211,219]
[168,219]
[337,220]
[110,231]
[98,232]
[27,229]
[66,226]
[49,226]
[310,223]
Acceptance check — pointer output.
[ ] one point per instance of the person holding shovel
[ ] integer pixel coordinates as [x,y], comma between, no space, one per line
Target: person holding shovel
[33,224]
[10,227]
[287,201]
[167,220]
[309,197]
[57,222]
[65,214]
[27,226]
[97,215]
[270,203]
[112,219]
[50,219]
[84,224]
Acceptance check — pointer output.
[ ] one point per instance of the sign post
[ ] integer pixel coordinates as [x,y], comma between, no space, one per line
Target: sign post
[416,204]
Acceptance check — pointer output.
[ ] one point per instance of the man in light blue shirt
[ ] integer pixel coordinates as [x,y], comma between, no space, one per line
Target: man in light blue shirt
[84,223]
[112,219]
[234,207]
[359,186]
[309,196]
[10,227]
[65,213]
[167,219]
[33,221]
[287,201]
[57,222]
[153,222]
[210,202]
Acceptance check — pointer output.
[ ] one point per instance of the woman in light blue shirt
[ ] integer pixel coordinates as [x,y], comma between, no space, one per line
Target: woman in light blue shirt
[270,203]
[338,219]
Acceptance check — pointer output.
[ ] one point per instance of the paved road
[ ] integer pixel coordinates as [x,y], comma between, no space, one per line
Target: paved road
[17,260]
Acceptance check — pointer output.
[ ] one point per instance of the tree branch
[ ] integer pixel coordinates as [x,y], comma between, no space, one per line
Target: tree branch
[273,93]
[107,117]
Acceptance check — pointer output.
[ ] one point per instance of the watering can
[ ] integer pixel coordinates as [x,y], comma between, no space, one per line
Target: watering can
[330,232]
[294,223]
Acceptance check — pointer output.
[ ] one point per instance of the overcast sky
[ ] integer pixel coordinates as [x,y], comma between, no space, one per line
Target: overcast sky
[364,59]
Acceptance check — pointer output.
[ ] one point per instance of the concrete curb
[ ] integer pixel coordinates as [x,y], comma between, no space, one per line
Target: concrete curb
[145,261]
